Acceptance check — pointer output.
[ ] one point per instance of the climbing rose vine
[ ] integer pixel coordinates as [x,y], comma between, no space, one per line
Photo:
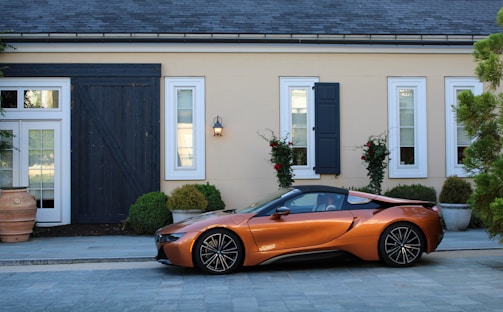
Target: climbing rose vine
[281,158]
[374,156]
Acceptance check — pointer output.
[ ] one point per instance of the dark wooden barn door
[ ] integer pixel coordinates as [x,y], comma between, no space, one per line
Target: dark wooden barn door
[115,137]
[115,134]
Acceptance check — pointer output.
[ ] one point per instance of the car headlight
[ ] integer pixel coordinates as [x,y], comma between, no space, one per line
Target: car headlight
[167,238]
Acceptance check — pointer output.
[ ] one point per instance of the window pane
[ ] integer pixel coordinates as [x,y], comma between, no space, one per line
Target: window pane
[300,156]
[185,113]
[6,169]
[41,166]
[41,99]
[407,132]
[461,154]
[407,137]
[407,117]
[406,98]
[8,98]
[407,156]
[184,99]
[298,98]
[463,138]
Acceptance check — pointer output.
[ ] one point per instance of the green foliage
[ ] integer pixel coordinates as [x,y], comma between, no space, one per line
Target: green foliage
[455,191]
[187,197]
[5,135]
[374,156]
[482,116]
[282,158]
[365,189]
[212,195]
[149,213]
[413,191]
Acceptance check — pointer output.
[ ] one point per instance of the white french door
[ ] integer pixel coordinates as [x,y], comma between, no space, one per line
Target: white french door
[36,162]
[37,113]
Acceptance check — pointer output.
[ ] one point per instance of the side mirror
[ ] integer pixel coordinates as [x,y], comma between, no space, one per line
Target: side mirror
[280,211]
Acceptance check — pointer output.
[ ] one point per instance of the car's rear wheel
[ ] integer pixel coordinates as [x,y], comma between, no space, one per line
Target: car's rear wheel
[218,251]
[401,245]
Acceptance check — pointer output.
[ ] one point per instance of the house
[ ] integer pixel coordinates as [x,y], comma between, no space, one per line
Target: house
[111,99]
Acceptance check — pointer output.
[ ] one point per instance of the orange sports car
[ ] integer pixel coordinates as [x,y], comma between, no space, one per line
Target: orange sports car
[304,221]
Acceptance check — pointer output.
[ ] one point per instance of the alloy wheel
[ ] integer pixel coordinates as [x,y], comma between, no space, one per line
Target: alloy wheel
[218,252]
[401,245]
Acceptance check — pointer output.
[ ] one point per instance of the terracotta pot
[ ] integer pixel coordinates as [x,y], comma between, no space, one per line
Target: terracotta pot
[18,210]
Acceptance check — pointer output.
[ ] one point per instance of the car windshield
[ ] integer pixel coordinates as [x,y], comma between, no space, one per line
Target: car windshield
[256,206]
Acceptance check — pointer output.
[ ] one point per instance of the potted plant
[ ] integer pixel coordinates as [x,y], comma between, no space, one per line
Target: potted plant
[453,199]
[186,201]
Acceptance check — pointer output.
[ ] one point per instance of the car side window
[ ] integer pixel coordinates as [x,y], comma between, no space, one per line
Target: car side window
[315,202]
[302,203]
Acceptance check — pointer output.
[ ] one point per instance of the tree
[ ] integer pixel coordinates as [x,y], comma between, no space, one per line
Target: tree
[482,116]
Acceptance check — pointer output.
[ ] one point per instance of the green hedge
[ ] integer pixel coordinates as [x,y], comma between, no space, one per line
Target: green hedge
[149,213]
[413,191]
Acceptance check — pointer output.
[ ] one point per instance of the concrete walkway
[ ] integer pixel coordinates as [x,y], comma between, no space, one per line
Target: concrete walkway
[57,250]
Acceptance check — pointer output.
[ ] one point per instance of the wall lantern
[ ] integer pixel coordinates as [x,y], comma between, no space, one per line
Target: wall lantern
[217,126]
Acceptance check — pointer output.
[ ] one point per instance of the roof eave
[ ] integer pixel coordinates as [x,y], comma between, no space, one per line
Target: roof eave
[402,39]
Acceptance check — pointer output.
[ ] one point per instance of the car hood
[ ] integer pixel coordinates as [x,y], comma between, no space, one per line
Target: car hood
[225,218]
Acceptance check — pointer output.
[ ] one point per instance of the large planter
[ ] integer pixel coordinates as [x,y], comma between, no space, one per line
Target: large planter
[456,216]
[180,215]
[18,210]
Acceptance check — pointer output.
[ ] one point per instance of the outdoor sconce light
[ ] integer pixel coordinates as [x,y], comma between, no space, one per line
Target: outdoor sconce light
[217,126]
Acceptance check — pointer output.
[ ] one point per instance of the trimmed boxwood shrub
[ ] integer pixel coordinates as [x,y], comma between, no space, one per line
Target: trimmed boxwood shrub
[413,191]
[455,191]
[187,197]
[149,213]
[212,195]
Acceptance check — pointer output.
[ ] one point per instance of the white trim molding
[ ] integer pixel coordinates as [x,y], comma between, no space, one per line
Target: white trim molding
[454,85]
[407,117]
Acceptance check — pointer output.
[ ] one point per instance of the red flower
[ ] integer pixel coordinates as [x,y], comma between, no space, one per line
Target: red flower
[368,144]
[363,157]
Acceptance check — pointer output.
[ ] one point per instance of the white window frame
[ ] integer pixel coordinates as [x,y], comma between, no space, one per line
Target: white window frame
[452,86]
[62,114]
[198,170]
[286,83]
[420,168]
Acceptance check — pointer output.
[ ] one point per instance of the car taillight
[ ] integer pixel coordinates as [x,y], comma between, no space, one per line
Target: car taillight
[435,209]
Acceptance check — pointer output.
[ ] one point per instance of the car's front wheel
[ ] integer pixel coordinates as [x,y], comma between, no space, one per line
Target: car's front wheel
[218,251]
[401,245]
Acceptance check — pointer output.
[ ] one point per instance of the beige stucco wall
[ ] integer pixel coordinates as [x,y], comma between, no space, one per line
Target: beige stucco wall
[243,88]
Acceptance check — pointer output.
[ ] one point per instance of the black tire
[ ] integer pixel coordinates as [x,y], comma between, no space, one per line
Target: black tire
[218,251]
[401,245]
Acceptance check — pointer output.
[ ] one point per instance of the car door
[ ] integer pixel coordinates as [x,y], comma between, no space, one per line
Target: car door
[303,227]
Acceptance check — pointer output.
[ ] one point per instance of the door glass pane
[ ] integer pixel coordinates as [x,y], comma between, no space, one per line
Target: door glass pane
[6,162]
[41,98]
[41,166]
[185,128]
[298,98]
[8,98]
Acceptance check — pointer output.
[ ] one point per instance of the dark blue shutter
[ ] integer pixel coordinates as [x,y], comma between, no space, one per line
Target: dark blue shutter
[327,128]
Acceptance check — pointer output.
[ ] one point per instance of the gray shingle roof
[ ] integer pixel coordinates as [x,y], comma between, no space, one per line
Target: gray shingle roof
[320,17]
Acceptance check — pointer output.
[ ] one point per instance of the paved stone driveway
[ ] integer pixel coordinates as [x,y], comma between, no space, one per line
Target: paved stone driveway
[443,281]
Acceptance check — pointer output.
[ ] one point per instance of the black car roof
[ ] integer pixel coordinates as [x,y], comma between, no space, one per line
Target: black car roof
[320,188]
